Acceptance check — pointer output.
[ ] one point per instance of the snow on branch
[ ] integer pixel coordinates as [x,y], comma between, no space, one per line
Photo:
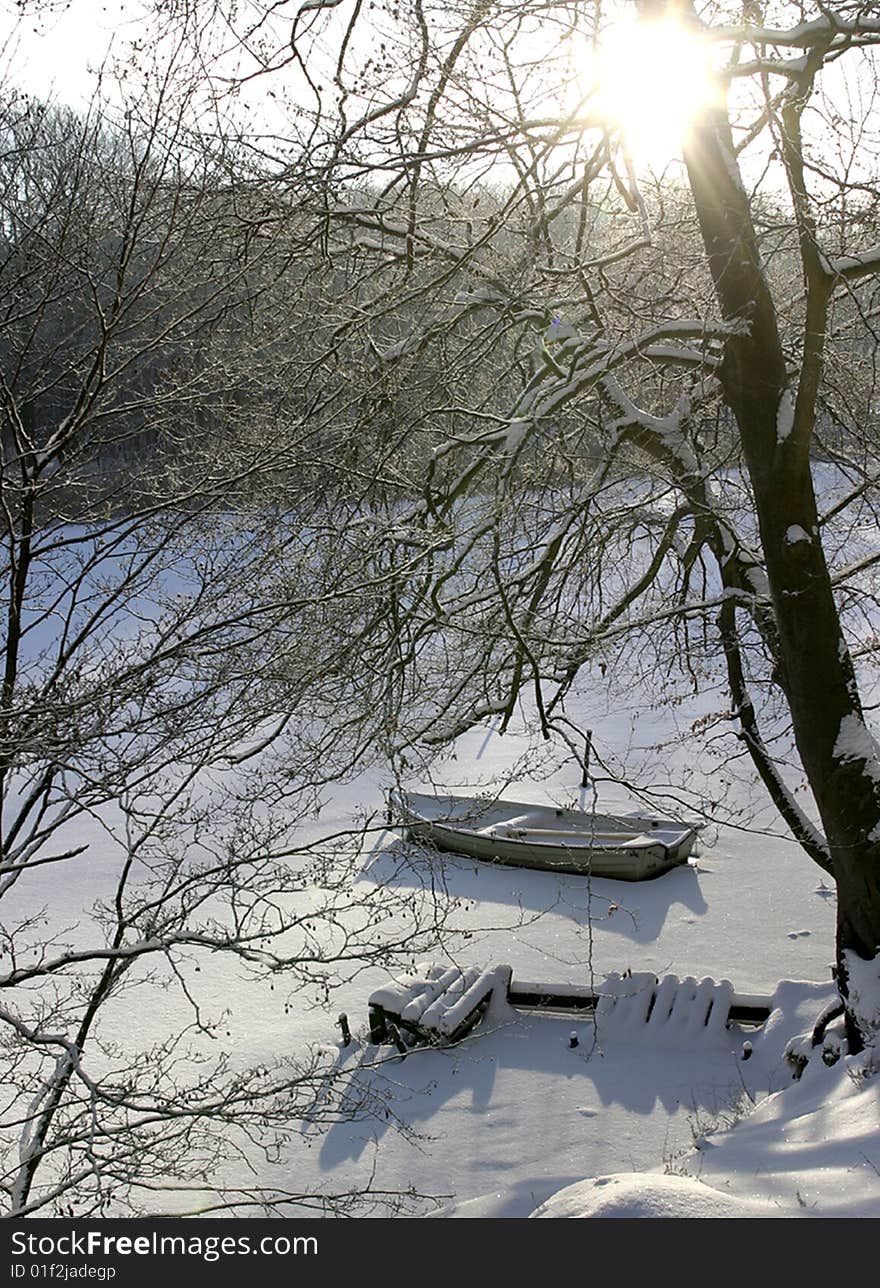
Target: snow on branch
[551,388]
[667,429]
[600,360]
[318,4]
[856,743]
[792,68]
[851,267]
[830,31]
[826,37]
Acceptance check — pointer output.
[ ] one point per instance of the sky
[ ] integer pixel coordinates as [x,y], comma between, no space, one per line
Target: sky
[56,53]
[50,53]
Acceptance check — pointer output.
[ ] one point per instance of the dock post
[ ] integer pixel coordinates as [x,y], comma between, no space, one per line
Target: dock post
[378,1028]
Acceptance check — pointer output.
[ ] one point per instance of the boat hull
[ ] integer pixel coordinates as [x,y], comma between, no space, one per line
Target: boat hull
[516,834]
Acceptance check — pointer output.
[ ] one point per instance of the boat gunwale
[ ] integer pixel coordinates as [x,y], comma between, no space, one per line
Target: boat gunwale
[581,842]
[629,841]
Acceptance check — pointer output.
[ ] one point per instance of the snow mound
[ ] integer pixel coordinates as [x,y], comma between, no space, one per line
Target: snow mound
[864,996]
[633,1194]
[811,1147]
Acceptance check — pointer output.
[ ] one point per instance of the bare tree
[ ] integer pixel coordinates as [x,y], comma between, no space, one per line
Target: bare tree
[611,347]
[181,672]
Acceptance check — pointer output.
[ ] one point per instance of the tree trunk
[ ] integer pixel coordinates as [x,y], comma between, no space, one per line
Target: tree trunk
[817,672]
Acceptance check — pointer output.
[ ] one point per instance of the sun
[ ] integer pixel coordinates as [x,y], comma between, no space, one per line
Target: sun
[650,80]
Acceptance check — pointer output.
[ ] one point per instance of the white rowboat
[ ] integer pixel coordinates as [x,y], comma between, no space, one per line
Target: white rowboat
[628,847]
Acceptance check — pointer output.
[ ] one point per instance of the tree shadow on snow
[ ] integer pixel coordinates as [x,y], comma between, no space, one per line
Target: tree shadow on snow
[541,1077]
[636,910]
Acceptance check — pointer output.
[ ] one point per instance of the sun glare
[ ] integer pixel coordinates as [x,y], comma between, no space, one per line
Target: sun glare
[651,79]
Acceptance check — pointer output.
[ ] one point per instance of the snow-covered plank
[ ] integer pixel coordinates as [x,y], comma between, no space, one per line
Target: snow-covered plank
[435,1003]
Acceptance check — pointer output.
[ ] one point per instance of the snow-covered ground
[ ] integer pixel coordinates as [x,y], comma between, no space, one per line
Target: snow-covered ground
[663,1123]
[628,1120]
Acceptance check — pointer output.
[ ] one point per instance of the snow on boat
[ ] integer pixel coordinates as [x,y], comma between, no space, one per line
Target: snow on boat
[628,847]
